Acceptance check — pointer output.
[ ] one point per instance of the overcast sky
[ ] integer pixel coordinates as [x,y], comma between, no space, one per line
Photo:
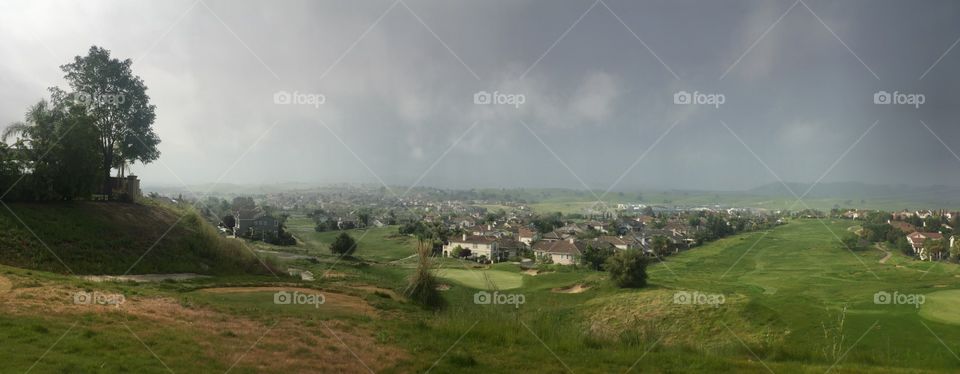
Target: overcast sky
[597,79]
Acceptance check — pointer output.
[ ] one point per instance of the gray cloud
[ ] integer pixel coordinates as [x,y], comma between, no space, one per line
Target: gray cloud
[403,94]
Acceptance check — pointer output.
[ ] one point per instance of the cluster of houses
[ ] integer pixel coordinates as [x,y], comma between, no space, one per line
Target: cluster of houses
[922,228]
[503,240]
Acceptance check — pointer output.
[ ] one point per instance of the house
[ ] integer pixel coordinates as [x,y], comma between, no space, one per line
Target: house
[509,247]
[561,252]
[616,241]
[902,226]
[255,223]
[526,236]
[566,252]
[918,239]
[551,237]
[478,245]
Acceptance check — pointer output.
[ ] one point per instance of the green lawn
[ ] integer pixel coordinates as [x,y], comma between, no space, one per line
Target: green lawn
[784,293]
[377,244]
[482,279]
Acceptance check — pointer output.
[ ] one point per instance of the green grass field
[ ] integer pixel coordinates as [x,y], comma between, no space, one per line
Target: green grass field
[784,294]
[482,279]
[376,244]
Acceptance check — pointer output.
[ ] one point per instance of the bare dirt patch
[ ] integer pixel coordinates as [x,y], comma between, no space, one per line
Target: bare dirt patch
[143,278]
[333,274]
[330,298]
[443,287]
[576,288]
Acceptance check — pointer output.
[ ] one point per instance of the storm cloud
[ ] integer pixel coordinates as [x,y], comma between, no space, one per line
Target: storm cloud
[400,83]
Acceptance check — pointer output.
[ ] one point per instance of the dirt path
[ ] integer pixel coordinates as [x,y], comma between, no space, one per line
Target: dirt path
[142,278]
[885,258]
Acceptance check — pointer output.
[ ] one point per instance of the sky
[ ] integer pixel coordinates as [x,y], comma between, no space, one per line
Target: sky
[582,93]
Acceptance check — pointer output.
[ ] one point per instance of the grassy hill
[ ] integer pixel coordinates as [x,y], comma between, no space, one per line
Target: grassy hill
[117,238]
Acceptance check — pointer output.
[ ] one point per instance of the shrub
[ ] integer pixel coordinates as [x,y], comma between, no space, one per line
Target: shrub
[628,269]
[343,245]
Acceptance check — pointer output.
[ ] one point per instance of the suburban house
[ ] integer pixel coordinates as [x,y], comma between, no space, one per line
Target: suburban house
[566,252]
[526,236]
[918,239]
[255,223]
[617,241]
[561,252]
[478,246]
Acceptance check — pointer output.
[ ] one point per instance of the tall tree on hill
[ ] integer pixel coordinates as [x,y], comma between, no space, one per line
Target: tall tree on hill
[117,100]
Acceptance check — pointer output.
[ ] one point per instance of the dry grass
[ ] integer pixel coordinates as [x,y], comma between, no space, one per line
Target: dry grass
[286,345]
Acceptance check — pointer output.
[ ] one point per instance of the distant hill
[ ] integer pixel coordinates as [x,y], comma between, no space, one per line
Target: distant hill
[910,196]
[109,238]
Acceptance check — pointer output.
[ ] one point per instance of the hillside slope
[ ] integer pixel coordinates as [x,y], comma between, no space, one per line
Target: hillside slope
[110,238]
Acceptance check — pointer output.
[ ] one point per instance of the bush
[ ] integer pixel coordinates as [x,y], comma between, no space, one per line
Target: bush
[628,269]
[343,245]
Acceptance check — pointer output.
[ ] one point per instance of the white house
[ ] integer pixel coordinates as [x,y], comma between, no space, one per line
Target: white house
[478,246]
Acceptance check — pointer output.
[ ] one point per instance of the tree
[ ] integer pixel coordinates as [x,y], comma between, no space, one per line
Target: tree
[229,221]
[936,248]
[661,246]
[461,252]
[56,147]
[117,100]
[851,242]
[628,269]
[343,245]
[595,257]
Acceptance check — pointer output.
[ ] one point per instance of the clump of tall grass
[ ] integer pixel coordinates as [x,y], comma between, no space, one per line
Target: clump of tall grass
[225,255]
[422,287]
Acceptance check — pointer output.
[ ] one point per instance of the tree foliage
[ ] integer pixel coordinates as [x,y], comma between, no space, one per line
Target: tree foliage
[343,245]
[628,269]
[117,101]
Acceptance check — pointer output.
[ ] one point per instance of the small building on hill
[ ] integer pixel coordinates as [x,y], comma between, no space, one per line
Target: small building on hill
[255,223]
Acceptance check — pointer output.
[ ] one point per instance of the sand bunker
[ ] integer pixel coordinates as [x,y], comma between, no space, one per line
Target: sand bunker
[577,288]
